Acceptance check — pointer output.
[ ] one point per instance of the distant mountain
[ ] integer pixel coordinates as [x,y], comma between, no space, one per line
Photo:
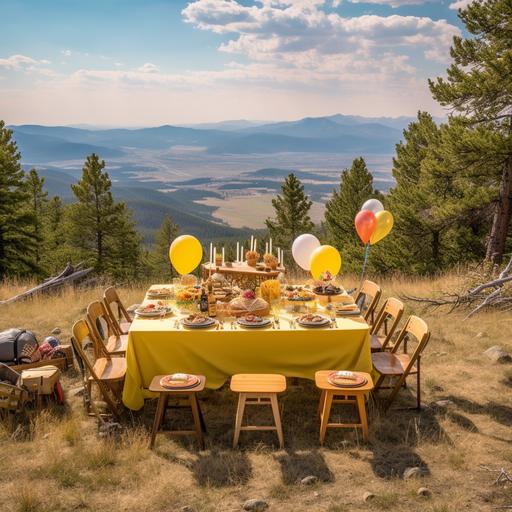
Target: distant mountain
[233,125]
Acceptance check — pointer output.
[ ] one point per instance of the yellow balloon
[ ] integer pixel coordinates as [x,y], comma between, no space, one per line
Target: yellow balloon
[325,259]
[185,253]
[384,225]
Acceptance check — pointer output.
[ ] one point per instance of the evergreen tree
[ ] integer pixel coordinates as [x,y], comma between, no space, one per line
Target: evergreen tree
[99,228]
[479,87]
[356,187]
[159,256]
[291,213]
[57,251]
[17,240]
[38,202]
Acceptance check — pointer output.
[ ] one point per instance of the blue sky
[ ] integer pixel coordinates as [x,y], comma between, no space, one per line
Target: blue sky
[133,63]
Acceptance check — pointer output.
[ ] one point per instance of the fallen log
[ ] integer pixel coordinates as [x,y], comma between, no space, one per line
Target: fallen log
[69,275]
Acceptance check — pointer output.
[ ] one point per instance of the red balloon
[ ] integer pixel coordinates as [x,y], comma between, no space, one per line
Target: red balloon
[366,223]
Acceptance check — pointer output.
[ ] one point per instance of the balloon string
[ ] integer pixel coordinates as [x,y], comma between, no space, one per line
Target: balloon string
[366,253]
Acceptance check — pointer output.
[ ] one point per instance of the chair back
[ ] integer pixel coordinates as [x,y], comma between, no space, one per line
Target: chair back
[388,317]
[81,335]
[367,298]
[417,328]
[115,307]
[101,327]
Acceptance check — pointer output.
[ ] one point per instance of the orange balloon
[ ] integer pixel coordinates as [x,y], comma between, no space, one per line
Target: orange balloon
[365,223]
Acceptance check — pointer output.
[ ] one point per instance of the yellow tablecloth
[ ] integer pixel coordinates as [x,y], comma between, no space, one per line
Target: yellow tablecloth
[156,347]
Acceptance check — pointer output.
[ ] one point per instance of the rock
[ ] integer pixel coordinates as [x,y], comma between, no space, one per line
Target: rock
[186,508]
[498,355]
[56,331]
[255,505]
[480,335]
[413,473]
[316,494]
[76,392]
[309,480]
[423,492]
[368,496]
[443,403]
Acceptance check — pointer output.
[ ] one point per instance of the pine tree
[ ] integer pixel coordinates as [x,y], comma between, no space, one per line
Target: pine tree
[17,240]
[159,256]
[99,228]
[356,186]
[291,213]
[479,88]
[38,203]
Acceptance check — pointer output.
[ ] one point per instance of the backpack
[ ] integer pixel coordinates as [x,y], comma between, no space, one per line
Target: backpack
[18,346]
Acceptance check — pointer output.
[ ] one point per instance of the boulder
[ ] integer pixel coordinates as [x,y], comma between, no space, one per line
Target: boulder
[309,480]
[498,355]
[414,472]
[255,505]
[56,331]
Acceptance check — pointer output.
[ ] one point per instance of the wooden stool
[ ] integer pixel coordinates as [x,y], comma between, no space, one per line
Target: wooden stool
[355,396]
[258,389]
[191,401]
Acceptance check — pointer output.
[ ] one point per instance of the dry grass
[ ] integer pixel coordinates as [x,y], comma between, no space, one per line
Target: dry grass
[57,462]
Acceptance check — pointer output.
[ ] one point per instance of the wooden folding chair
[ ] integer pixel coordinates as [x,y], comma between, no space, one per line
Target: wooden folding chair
[367,299]
[108,341]
[107,373]
[12,394]
[400,366]
[116,310]
[387,321]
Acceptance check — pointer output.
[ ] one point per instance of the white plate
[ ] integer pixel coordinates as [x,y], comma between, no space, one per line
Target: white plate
[207,323]
[152,314]
[324,323]
[265,322]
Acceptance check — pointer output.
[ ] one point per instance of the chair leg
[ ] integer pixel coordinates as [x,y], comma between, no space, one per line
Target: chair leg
[324,418]
[361,406]
[277,419]
[418,388]
[395,391]
[321,403]
[238,419]
[197,421]
[162,400]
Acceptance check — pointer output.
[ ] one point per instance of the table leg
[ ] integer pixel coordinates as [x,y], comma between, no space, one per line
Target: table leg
[158,418]
[361,406]
[324,417]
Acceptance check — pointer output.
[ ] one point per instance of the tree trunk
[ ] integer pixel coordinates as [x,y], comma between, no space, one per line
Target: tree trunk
[501,220]
[435,248]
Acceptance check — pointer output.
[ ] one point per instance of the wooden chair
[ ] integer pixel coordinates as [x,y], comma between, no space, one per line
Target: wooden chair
[190,395]
[116,310]
[258,389]
[346,396]
[108,373]
[108,341]
[12,393]
[391,312]
[400,366]
[367,299]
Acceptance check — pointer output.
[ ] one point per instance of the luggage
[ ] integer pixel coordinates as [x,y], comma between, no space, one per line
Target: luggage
[18,346]
[41,380]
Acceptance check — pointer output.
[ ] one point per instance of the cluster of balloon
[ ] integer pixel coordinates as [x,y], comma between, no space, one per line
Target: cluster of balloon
[185,254]
[373,223]
[310,255]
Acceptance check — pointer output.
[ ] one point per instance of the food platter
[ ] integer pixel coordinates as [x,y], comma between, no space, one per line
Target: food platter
[179,381]
[345,379]
[299,294]
[328,291]
[196,321]
[313,320]
[253,321]
[153,310]
[159,293]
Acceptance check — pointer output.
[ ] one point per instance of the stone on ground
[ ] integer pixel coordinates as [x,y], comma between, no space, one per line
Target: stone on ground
[498,355]
[413,472]
[309,480]
[255,505]
[423,492]
[368,496]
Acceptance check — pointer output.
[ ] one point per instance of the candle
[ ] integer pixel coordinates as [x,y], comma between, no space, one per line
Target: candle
[266,247]
[211,252]
[214,254]
[223,256]
[242,254]
[252,243]
[255,245]
[237,252]
[271,246]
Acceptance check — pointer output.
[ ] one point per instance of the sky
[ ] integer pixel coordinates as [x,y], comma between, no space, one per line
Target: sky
[153,62]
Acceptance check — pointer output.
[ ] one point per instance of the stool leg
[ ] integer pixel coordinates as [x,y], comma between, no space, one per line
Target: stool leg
[321,403]
[197,420]
[158,418]
[324,418]
[361,406]
[277,419]
[238,420]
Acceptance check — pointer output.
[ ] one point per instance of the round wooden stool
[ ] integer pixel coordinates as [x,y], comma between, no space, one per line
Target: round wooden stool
[190,396]
[258,389]
[341,395]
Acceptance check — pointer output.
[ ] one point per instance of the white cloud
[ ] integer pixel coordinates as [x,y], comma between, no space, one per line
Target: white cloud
[460,4]
[20,62]
[66,53]
[148,67]
[392,3]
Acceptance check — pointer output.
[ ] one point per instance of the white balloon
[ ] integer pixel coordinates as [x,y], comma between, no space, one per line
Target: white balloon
[373,205]
[302,249]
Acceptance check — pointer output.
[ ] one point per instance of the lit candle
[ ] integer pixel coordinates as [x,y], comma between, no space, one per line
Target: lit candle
[237,252]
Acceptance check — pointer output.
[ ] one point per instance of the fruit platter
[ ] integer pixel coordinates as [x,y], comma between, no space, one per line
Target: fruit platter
[299,294]
[153,309]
